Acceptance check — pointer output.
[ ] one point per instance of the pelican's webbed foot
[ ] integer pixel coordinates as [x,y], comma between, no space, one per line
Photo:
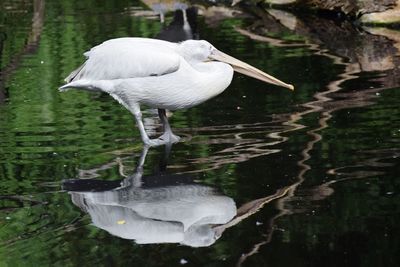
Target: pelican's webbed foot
[166,138]
[169,137]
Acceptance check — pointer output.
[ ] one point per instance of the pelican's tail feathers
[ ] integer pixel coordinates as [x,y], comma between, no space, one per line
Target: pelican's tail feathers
[94,86]
[75,75]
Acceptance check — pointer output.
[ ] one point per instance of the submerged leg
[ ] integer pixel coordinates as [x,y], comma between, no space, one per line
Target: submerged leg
[168,135]
[136,179]
[134,108]
[145,138]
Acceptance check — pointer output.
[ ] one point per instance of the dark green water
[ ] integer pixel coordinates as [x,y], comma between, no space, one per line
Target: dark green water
[314,174]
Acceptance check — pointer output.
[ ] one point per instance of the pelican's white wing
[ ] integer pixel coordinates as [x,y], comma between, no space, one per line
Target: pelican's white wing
[128,58]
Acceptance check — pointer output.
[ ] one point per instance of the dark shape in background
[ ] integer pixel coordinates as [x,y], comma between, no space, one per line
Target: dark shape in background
[182,27]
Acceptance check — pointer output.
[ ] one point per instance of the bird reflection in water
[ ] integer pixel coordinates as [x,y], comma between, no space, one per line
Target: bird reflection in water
[162,208]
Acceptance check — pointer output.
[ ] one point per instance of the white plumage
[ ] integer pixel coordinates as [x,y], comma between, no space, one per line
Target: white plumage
[129,58]
[159,74]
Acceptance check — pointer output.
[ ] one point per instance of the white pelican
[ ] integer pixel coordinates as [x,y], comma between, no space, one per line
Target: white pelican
[161,75]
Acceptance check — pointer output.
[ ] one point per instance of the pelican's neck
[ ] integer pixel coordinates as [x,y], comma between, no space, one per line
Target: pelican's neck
[213,68]
[215,76]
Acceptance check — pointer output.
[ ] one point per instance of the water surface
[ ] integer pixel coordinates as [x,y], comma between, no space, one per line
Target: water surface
[273,177]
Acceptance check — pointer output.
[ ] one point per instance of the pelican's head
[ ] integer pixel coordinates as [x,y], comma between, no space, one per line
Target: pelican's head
[196,50]
[201,51]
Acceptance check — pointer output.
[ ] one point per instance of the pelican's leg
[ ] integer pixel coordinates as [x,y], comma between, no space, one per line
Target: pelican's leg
[145,138]
[134,108]
[168,136]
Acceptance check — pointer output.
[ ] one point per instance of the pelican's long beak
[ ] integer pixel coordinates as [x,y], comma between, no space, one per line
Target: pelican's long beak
[247,69]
